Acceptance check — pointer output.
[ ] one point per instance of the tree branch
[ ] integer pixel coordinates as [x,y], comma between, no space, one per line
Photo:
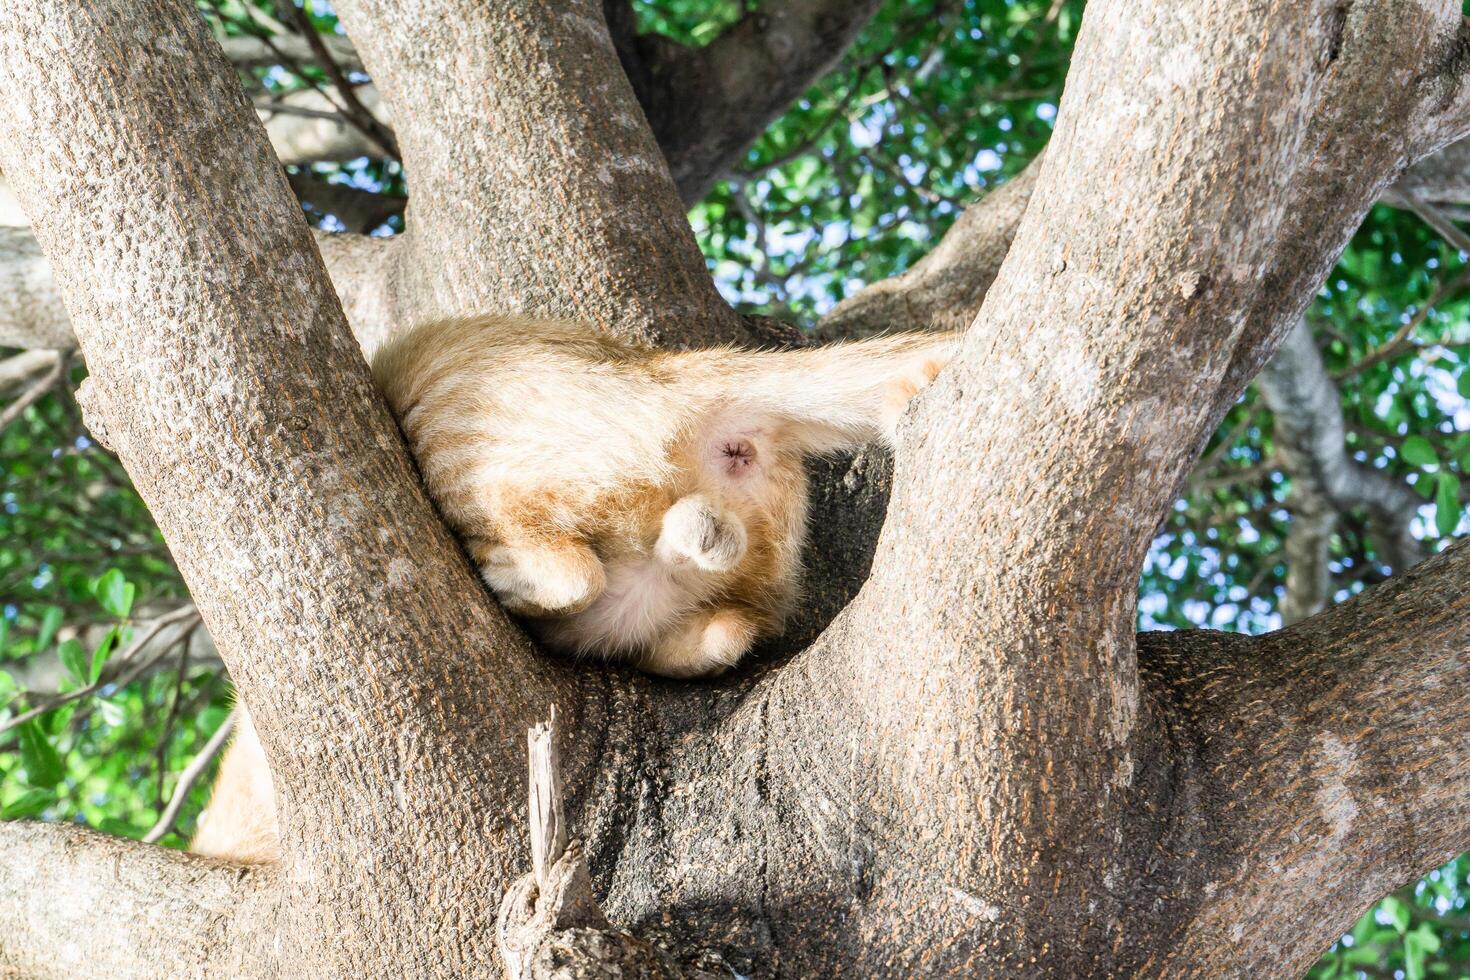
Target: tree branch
[1368,128]
[944,289]
[19,370]
[307,126]
[32,315]
[40,676]
[996,630]
[513,160]
[1340,743]
[223,367]
[248,51]
[78,902]
[707,105]
[189,777]
[1326,481]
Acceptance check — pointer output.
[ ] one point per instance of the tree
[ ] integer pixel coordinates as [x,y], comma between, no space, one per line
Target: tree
[976,766]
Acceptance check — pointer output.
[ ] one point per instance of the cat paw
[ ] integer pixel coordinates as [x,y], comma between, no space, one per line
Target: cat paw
[541,580]
[709,644]
[695,531]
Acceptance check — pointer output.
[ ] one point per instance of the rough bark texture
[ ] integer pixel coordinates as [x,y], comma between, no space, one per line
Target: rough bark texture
[61,886]
[540,130]
[975,769]
[32,314]
[228,380]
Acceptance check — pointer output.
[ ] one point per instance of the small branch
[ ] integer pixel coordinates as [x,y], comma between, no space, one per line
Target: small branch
[358,113]
[307,126]
[249,51]
[189,777]
[1326,481]
[33,394]
[121,669]
[40,676]
[20,369]
[1403,338]
[548,815]
[1437,220]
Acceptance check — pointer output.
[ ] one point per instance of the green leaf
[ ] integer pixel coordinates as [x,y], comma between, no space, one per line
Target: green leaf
[101,654]
[8,687]
[50,623]
[28,804]
[1417,451]
[111,712]
[1462,383]
[1397,911]
[74,659]
[4,634]
[1447,505]
[115,593]
[120,828]
[44,768]
[1417,947]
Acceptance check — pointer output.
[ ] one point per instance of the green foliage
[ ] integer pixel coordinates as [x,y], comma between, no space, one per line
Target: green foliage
[937,103]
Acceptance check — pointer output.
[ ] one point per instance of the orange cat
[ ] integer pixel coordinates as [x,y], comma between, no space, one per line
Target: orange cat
[632,503]
[628,503]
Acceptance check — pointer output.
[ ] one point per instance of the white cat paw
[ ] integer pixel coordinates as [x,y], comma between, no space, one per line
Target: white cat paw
[695,531]
[544,581]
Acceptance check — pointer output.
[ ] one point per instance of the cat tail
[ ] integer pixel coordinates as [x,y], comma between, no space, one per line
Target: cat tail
[836,396]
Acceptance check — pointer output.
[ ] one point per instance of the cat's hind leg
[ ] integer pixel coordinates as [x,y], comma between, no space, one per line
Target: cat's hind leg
[708,643]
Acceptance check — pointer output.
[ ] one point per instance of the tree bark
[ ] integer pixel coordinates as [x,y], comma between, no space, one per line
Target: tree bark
[975,769]
[239,402]
[538,127]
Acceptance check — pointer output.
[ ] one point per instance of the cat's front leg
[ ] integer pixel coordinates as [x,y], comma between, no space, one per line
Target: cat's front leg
[697,531]
[555,577]
[710,642]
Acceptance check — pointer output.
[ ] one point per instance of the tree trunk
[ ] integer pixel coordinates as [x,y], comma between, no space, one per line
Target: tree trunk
[975,768]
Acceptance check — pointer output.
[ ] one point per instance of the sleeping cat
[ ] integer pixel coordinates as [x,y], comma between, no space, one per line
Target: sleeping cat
[628,503]
[631,503]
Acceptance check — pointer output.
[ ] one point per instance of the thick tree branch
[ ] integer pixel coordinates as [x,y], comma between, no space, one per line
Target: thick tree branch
[707,105]
[32,315]
[539,128]
[1038,463]
[1382,110]
[1340,744]
[76,900]
[1310,442]
[223,367]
